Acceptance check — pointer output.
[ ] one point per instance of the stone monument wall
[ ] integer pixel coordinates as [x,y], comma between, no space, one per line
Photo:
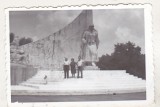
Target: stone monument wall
[20,73]
[49,53]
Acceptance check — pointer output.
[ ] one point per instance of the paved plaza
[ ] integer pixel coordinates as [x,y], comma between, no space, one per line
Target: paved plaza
[77,98]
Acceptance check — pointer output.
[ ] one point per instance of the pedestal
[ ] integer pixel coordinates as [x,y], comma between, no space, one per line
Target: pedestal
[91,68]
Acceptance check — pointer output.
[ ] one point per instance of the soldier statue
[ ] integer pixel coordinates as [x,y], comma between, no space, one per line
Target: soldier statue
[89,46]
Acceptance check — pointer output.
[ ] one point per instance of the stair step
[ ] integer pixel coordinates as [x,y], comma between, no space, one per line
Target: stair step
[95,81]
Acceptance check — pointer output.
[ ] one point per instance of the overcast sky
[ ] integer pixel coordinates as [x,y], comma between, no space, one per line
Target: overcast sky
[113,26]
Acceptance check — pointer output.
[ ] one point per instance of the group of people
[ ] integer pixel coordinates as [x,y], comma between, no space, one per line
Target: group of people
[88,52]
[73,67]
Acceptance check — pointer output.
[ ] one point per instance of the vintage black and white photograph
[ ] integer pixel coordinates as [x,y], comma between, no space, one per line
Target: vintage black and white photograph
[77,55]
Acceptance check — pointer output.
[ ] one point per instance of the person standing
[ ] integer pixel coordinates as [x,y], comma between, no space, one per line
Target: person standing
[66,68]
[73,67]
[80,67]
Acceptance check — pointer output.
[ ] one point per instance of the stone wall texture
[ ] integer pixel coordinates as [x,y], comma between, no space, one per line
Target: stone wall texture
[49,53]
[20,73]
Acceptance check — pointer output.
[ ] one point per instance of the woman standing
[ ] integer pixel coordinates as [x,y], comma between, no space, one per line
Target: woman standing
[73,67]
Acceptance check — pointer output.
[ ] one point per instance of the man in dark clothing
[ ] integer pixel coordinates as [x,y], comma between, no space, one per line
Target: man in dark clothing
[80,67]
[66,68]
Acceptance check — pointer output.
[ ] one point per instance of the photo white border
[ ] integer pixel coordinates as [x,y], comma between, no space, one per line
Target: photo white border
[148,57]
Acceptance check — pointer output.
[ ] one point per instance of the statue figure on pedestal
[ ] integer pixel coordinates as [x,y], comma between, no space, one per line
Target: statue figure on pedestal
[89,46]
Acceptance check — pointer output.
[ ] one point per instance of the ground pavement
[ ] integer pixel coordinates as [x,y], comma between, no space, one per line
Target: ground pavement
[94,82]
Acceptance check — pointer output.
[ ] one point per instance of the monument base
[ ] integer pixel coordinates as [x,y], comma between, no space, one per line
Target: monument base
[91,68]
[93,82]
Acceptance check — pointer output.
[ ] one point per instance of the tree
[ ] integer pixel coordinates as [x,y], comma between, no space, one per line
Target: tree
[125,57]
[24,41]
[11,37]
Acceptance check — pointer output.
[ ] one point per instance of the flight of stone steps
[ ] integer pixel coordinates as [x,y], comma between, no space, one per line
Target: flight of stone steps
[93,82]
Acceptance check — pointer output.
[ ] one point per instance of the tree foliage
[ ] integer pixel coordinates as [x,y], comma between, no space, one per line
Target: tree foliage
[12,35]
[24,41]
[125,57]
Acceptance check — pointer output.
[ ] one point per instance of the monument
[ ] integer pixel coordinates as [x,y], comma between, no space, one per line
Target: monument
[89,46]
[49,53]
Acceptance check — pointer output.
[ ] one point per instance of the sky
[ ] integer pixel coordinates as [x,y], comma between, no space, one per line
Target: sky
[113,25]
